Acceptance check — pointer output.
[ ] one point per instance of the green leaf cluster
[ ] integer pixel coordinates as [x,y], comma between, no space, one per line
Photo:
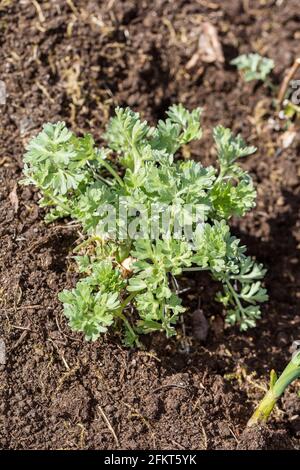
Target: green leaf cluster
[131,281]
[253,66]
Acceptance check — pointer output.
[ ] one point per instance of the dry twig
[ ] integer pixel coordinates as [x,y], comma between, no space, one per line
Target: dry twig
[291,73]
[107,422]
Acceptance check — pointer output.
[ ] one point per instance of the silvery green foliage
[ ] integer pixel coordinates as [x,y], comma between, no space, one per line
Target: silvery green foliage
[129,281]
[253,66]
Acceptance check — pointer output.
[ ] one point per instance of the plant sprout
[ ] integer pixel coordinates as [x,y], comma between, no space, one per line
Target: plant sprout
[253,66]
[277,388]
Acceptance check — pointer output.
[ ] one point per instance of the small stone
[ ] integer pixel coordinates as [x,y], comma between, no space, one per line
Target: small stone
[200,325]
[280,201]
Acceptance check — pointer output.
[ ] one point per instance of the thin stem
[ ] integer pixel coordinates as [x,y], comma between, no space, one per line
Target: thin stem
[112,171]
[90,239]
[99,177]
[122,317]
[127,300]
[133,333]
[105,181]
[58,203]
[220,176]
[235,296]
[194,269]
[120,314]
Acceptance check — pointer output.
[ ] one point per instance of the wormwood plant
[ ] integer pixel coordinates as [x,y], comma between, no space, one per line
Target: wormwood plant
[131,280]
[253,66]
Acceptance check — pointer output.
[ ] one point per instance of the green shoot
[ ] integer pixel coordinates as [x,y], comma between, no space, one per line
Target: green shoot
[276,389]
[253,66]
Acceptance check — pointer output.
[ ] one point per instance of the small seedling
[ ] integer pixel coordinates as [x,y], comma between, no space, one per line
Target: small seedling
[290,112]
[253,66]
[147,218]
[277,388]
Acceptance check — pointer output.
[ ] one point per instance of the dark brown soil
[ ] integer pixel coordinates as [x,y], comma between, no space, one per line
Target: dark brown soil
[76,60]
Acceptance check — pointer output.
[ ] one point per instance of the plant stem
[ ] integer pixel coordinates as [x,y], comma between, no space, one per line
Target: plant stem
[58,202]
[265,407]
[112,171]
[91,239]
[120,314]
[127,300]
[235,296]
[194,269]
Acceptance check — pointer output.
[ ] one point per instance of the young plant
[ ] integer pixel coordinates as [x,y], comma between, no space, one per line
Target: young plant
[147,217]
[253,66]
[290,112]
[277,388]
